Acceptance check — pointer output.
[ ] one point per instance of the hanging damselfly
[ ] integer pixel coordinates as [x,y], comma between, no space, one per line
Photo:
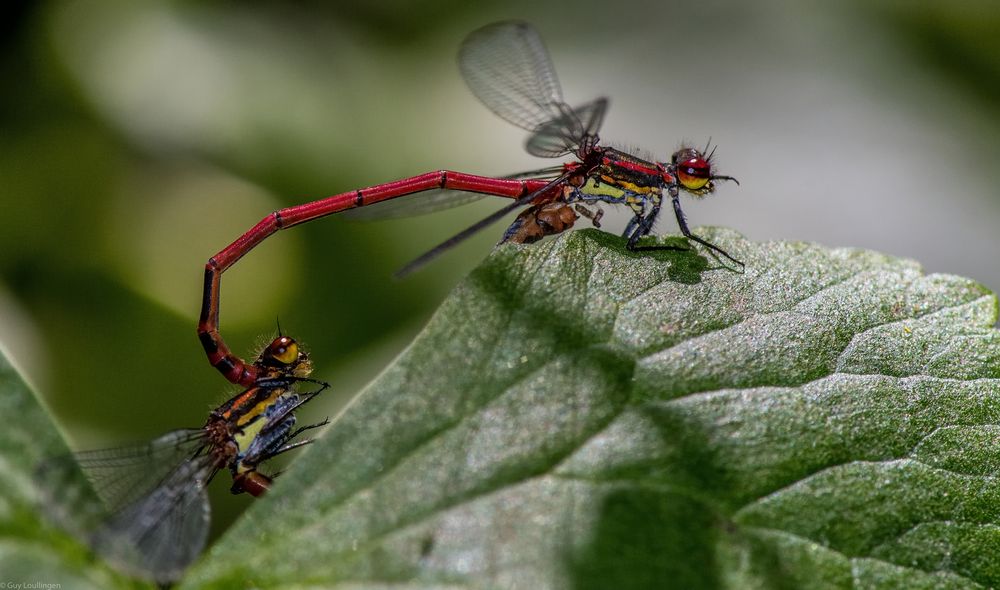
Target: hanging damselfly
[144,507]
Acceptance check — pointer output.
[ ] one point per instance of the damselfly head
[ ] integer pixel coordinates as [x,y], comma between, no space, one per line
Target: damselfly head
[693,170]
[284,356]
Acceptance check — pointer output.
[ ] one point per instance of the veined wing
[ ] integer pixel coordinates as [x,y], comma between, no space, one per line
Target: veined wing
[158,535]
[121,475]
[145,509]
[564,134]
[508,68]
[476,227]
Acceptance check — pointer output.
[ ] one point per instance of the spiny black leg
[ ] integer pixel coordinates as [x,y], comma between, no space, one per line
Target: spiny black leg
[302,429]
[277,419]
[285,381]
[303,399]
[642,226]
[287,448]
[594,217]
[323,386]
[687,232]
[632,231]
[296,445]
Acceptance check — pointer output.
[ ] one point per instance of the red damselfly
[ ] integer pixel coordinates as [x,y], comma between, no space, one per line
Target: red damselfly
[507,67]
[146,510]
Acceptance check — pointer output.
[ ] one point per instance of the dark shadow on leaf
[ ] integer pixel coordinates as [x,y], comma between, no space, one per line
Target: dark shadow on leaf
[497,278]
[686,266]
[666,530]
[686,262]
[687,461]
[646,538]
[766,564]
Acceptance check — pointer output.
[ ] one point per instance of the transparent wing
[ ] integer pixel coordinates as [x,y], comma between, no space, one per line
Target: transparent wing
[158,535]
[145,509]
[122,475]
[465,234]
[507,67]
[115,476]
[547,173]
[563,135]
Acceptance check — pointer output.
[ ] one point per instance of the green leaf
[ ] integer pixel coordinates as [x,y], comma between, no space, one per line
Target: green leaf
[32,549]
[579,416]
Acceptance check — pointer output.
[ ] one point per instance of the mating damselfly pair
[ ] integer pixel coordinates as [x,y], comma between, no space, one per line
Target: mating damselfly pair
[508,68]
[150,512]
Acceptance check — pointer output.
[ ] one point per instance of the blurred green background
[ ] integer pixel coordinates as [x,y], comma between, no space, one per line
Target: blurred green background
[139,138]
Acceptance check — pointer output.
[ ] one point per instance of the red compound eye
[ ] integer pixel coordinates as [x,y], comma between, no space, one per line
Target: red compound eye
[694,173]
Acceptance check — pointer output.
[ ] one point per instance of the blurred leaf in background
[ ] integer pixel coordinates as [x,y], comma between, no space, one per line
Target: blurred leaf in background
[960,41]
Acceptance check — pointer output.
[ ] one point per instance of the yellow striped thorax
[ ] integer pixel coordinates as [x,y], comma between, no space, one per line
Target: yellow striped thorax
[623,178]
